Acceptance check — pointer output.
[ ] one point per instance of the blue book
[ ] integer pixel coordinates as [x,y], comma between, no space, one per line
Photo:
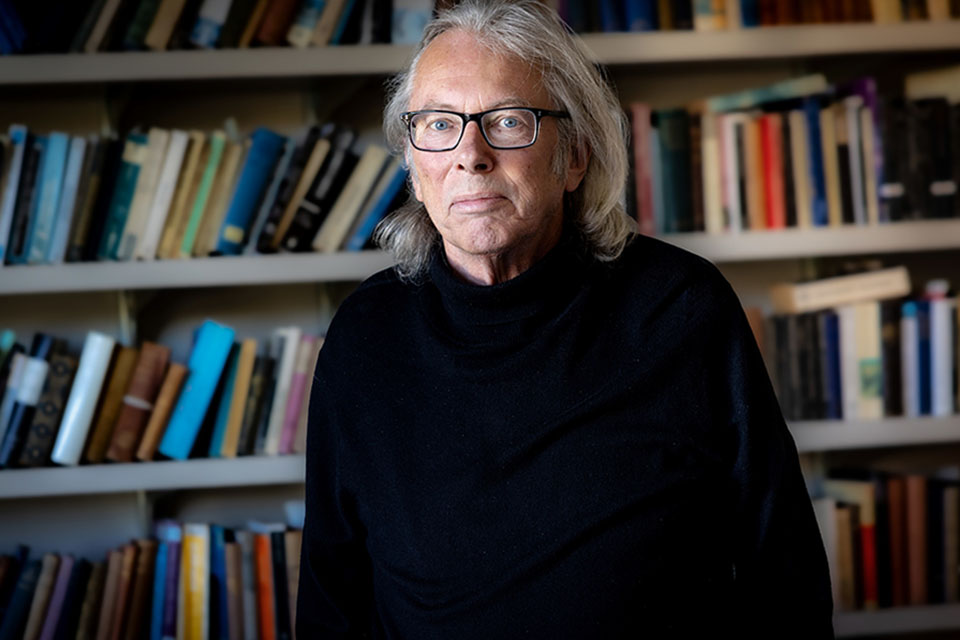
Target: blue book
[276,179]
[219,619]
[749,12]
[29,199]
[50,183]
[134,152]
[68,197]
[206,364]
[348,8]
[159,582]
[18,138]
[378,206]
[265,150]
[818,183]
[223,411]
[640,15]
[611,16]
[831,371]
[924,360]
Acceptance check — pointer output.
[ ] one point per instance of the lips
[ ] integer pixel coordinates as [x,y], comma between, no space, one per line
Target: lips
[477,201]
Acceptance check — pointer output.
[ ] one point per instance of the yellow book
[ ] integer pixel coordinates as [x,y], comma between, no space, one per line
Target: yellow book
[181,200]
[327,23]
[320,150]
[238,400]
[253,23]
[220,198]
[831,170]
[756,197]
[163,24]
[869,167]
[802,189]
[195,576]
[869,360]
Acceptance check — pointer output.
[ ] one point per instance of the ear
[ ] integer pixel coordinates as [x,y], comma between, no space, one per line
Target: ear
[577,168]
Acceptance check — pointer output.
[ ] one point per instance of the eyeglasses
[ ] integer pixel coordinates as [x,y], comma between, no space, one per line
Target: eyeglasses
[502,128]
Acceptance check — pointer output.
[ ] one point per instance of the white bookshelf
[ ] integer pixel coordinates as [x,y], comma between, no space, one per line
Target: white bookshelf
[795,41]
[167,475]
[836,435]
[884,622]
[192,272]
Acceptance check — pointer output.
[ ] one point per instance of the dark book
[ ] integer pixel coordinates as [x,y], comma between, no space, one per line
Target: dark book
[276,23]
[843,163]
[51,25]
[8,581]
[180,38]
[73,600]
[15,619]
[136,32]
[740,134]
[939,188]
[890,347]
[812,374]
[281,598]
[82,32]
[46,420]
[674,126]
[28,397]
[287,186]
[350,25]
[120,25]
[915,10]
[918,167]
[263,419]
[26,190]
[219,619]
[936,580]
[87,191]
[696,171]
[789,187]
[682,11]
[136,625]
[327,185]
[893,195]
[254,407]
[955,152]
[784,359]
[830,365]
[109,173]
[235,23]
[382,21]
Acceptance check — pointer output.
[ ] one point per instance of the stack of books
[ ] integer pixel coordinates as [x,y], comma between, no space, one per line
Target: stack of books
[115,403]
[173,194]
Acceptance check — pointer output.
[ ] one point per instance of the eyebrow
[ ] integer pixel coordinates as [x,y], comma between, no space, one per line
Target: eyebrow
[511,101]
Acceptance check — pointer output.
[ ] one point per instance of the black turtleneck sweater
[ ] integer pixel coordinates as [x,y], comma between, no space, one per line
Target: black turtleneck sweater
[589,450]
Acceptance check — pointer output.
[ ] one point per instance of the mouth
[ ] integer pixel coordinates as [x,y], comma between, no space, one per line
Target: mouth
[477,202]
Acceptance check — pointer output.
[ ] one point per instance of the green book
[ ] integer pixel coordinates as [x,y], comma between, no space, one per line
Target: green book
[134,153]
[142,19]
[217,142]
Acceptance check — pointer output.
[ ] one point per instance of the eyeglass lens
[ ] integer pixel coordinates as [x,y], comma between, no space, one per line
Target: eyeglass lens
[435,130]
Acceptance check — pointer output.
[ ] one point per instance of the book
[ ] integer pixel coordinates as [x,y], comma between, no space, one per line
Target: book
[203,190]
[195,578]
[233,569]
[220,196]
[387,192]
[161,29]
[246,359]
[18,140]
[49,183]
[41,595]
[213,15]
[92,600]
[98,34]
[304,183]
[136,33]
[289,338]
[863,495]
[223,402]
[55,606]
[110,404]
[162,409]
[29,389]
[134,156]
[88,192]
[15,620]
[301,31]
[233,27]
[298,387]
[69,620]
[346,208]
[146,553]
[878,284]
[187,184]
[207,361]
[138,402]
[160,206]
[77,415]
[67,205]
[276,22]
[256,405]
[249,581]
[327,22]
[146,187]
[43,429]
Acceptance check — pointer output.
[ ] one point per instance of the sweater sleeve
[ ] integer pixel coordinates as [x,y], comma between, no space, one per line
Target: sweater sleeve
[781,574]
[334,599]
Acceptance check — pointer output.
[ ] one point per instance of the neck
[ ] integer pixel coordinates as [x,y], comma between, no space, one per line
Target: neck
[494,268]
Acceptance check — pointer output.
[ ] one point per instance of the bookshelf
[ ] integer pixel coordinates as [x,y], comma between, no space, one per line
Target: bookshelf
[662,68]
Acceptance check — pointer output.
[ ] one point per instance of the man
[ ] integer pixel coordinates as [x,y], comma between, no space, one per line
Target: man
[540,424]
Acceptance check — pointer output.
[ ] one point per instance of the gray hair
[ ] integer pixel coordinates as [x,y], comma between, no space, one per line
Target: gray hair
[530,31]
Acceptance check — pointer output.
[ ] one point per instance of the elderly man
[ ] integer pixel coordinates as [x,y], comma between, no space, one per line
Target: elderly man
[539,424]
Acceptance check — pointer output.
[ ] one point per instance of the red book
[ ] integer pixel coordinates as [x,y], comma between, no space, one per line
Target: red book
[771,126]
[264,570]
[640,124]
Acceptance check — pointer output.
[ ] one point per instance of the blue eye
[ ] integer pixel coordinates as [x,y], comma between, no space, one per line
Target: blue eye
[509,123]
[440,125]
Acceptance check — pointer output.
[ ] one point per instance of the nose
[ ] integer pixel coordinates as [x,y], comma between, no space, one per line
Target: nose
[473,152]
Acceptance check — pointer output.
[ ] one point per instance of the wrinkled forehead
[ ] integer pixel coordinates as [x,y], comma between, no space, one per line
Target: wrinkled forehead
[458,66]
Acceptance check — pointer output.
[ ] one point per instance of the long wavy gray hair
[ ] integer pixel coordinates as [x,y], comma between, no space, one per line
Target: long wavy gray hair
[530,31]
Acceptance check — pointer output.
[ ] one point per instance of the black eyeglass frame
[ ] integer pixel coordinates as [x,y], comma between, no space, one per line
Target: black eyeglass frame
[467,118]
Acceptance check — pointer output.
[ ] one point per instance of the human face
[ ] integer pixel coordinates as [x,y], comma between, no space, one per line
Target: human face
[488,204]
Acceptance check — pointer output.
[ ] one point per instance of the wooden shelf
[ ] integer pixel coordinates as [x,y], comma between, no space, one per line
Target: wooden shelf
[195,272]
[152,476]
[917,619]
[787,244]
[608,48]
[832,435]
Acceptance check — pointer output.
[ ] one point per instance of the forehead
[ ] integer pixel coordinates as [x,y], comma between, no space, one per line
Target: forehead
[457,72]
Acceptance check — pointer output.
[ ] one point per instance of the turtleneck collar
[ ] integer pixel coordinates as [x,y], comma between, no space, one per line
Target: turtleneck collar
[507,312]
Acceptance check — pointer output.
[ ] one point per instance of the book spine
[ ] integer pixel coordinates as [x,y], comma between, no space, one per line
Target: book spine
[68,199]
[110,405]
[55,608]
[206,31]
[134,154]
[138,403]
[18,138]
[27,196]
[217,143]
[159,584]
[143,194]
[28,395]
[39,441]
[163,407]
[146,248]
[943,352]
[78,413]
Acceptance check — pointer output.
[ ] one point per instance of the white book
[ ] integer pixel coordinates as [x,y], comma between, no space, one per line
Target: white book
[849,375]
[825,510]
[347,206]
[731,169]
[18,138]
[31,381]
[712,187]
[909,360]
[852,104]
[82,402]
[148,241]
[68,199]
[800,155]
[942,354]
[287,358]
[10,392]
[147,180]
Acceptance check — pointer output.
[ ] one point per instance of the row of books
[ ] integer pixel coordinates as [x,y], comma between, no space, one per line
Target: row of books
[800,153]
[878,353]
[122,403]
[176,194]
[191,580]
[891,538]
[712,15]
[60,26]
